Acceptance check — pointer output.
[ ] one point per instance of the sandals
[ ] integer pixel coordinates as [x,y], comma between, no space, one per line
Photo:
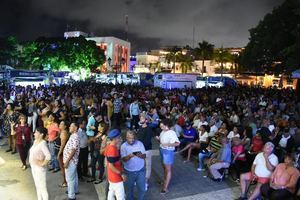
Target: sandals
[98,181]
[163,191]
[63,185]
[91,180]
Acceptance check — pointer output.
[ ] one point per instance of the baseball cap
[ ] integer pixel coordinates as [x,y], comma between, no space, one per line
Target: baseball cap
[114,133]
[188,123]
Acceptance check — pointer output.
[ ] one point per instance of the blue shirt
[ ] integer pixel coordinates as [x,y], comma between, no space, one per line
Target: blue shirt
[83,140]
[225,154]
[91,122]
[190,132]
[134,109]
[135,163]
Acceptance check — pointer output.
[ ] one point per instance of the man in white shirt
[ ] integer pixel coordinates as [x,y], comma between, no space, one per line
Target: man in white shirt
[263,165]
[234,118]
[202,121]
[213,128]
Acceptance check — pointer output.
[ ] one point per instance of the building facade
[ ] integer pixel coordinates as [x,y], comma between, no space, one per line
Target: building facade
[116,50]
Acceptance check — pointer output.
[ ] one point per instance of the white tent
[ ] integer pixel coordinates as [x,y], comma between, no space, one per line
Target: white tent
[296,74]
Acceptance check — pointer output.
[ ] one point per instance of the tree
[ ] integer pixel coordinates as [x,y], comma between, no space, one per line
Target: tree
[274,42]
[8,51]
[173,55]
[222,55]
[186,59]
[204,52]
[61,54]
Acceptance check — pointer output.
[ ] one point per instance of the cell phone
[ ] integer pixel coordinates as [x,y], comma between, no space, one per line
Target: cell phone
[136,152]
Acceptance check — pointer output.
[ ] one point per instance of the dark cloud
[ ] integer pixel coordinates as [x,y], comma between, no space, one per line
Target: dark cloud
[152,23]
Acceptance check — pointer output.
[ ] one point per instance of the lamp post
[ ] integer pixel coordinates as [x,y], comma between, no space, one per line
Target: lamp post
[116,68]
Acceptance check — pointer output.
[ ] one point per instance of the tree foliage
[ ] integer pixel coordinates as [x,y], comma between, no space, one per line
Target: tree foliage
[274,42]
[54,53]
[204,51]
[8,51]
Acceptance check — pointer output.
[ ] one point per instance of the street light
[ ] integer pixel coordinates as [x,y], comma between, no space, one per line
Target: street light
[116,67]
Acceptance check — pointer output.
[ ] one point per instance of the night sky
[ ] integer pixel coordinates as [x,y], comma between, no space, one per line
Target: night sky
[152,23]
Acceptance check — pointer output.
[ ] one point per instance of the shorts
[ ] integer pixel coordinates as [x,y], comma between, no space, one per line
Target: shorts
[167,156]
[261,180]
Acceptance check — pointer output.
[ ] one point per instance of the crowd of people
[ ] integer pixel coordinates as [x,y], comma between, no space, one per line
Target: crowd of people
[74,128]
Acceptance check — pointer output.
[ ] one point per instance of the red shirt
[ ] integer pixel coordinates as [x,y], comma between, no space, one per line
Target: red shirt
[257,145]
[180,121]
[22,131]
[113,152]
[239,149]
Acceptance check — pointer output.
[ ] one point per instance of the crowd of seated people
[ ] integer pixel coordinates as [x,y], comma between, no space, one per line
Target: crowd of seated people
[213,123]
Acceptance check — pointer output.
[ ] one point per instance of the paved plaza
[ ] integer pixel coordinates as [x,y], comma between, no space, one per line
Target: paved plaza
[187,183]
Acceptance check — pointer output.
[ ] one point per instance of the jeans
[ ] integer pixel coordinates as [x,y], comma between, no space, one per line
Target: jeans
[82,166]
[137,177]
[72,180]
[39,177]
[54,162]
[202,155]
[116,120]
[148,162]
[32,120]
[214,169]
[97,158]
[135,122]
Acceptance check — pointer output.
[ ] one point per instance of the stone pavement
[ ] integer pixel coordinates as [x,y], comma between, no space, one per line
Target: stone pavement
[16,184]
[187,183]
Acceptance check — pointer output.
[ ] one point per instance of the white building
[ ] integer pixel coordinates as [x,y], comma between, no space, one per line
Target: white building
[75,34]
[114,49]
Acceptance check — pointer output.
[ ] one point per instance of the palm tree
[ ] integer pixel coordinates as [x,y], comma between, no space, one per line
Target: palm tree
[185,57]
[222,55]
[205,51]
[155,67]
[173,55]
[235,63]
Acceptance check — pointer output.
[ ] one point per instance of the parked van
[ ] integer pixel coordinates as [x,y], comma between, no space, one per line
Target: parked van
[171,81]
[215,81]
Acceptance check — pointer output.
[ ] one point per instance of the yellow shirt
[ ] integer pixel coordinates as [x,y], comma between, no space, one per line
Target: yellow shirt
[109,109]
[47,123]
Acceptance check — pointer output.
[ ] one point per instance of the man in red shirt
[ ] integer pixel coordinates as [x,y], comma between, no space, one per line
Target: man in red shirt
[114,167]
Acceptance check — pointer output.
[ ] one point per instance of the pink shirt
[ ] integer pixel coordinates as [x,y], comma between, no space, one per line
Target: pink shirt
[239,149]
[39,152]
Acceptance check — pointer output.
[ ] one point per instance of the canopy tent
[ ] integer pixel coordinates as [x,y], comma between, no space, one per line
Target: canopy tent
[296,74]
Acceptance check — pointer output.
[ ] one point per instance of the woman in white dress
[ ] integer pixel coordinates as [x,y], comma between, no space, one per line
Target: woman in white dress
[39,157]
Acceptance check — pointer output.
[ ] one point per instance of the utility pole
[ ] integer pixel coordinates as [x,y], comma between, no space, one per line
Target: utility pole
[126,27]
[193,36]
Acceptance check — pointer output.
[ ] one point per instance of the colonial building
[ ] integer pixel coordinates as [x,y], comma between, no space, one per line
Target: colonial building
[116,50]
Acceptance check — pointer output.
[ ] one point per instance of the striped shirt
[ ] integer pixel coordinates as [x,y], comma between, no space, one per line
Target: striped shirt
[214,143]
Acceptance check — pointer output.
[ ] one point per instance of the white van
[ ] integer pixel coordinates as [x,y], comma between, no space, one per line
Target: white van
[172,81]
